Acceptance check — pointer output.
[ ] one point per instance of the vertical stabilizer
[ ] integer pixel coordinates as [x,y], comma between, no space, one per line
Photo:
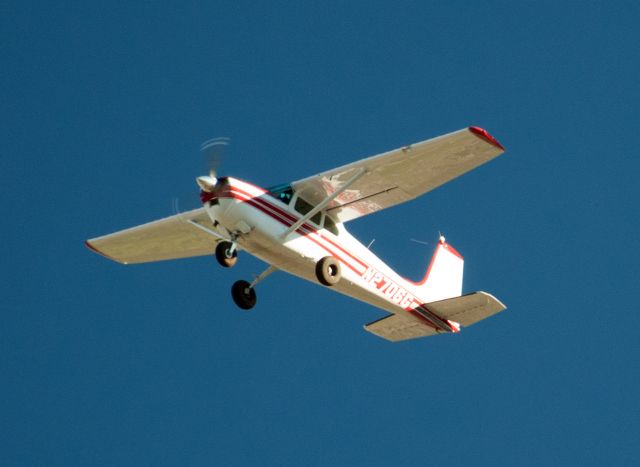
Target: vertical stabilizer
[444,274]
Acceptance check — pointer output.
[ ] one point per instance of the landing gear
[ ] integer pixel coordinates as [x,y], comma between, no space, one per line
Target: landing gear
[243,295]
[328,271]
[226,254]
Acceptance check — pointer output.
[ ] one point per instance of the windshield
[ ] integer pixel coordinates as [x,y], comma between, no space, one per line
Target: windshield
[282,192]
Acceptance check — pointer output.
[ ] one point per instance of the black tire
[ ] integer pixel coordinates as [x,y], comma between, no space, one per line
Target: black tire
[224,255]
[242,295]
[328,271]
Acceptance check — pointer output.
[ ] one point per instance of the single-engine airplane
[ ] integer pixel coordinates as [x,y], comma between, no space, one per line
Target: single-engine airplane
[299,228]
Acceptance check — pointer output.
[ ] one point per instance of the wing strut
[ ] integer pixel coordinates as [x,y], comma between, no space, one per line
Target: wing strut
[205,229]
[322,204]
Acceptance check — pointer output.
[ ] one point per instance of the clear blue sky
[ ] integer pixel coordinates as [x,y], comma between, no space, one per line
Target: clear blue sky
[103,109]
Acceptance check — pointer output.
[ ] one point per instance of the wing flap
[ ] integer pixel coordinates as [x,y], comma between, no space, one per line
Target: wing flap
[467,309]
[399,327]
[169,238]
[401,175]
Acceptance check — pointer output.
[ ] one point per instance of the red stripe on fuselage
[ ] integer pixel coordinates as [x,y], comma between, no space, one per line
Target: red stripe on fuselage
[315,231]
[307,230]
[287,221]
[293,219]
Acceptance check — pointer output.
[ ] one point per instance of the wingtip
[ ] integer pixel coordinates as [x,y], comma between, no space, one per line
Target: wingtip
[88,244]
[492,298]
[484,134]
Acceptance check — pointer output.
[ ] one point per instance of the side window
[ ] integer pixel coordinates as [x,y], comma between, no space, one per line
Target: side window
[330,225]
[285,196]
[283,193]
[303,207]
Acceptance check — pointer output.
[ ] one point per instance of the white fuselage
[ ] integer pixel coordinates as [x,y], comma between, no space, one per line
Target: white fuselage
[261,221]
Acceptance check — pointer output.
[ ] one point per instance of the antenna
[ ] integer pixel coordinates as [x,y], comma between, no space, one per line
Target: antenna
[419,241]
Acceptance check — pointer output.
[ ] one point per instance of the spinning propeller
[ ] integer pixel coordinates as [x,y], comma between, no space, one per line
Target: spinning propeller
[212,151]
[212,154]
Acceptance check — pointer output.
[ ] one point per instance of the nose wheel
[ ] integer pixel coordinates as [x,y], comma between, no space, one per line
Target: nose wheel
[243,295]
[226,254]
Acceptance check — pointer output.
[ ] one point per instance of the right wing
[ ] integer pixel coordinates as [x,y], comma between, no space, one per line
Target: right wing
[400,175]
[169,238]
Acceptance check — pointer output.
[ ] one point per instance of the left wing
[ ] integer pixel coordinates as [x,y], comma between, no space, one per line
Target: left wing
[400,175]
[169,238]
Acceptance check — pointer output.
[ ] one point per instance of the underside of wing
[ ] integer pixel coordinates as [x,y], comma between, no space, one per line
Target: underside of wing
[400,175]
[400,327]
[170,238]
[467,309]
[464,310]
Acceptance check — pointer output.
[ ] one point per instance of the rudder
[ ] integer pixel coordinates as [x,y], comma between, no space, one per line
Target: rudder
[443,278]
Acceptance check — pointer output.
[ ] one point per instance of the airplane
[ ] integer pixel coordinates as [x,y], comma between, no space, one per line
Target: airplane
[299,228]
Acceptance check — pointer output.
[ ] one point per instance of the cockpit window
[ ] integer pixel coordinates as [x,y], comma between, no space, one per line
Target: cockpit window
[303,207]
[330,225]
[282,192]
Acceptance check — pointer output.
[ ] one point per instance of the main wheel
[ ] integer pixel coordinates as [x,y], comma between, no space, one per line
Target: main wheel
[328,271]
[225,256]
[243,295]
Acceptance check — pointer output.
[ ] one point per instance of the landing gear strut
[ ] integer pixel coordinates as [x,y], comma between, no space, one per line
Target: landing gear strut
[226,254]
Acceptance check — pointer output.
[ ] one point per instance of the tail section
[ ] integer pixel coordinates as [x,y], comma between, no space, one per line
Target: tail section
[444,275]
[442,306]
[465,310]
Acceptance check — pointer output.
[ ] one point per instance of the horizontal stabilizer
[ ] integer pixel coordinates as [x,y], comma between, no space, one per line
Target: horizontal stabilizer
[468,309]
[400,327]
[465,310]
